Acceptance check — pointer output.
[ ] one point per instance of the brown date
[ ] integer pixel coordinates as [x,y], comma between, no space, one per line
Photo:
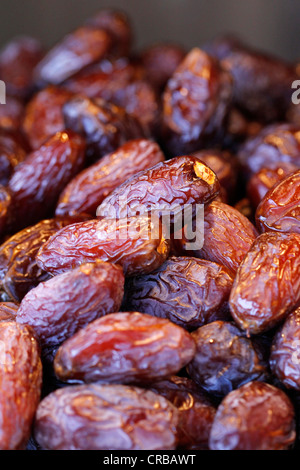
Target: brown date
[18,59]
[196,411]
[279,209]
[256,416]
[12,152]
[284,355]
[267,285]
[8,311]
[265,179]
[188,291]
[11,114]
[43,116]
[137,244]
[228,235]
[19,271]
[60,306]
[262,81]
[166,186]
[78,49]
[148,349]
[103,125]
[196,102]
[5,210]
[225,359]
[105,417]
[21,382]
[37,182]
[87,190]
[273,145]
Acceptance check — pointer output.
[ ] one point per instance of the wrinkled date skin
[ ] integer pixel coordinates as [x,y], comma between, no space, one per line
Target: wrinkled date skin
[21,381]
[196,411]
[148,349]
[265,179]
[19,271]
[267,285]
[80,48]
[228,236]
[262,82]
[18,59]
[105,417]
[279,210]
[273,145]
[188,291]
[256,416]
[37,182]
[136,244]
[12,152]
[58,307]
[196,103]
[103,125]
[91,186]
[8,311]
[284,356]
[11,115]
[225,359]
[43,116]
[164,187]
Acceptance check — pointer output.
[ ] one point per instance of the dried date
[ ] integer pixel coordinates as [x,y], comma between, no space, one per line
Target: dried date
[148,349]
[58,307]
[137,244]
[105,417]
[188,291]
[21,382]
[89,188]
[267,285]
[12,152]
[256,416]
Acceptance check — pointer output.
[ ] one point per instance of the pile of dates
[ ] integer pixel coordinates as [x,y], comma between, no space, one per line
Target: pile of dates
[113,342]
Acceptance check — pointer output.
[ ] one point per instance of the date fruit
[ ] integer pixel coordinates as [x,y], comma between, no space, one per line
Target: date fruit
[188,291]
[148,349]
[90,187]
[267,285]
[60,306]
[21,382]
[105,417]
[256,416]
[137,244]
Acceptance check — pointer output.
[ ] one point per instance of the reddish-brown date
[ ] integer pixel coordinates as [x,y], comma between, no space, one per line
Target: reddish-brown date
[273,145]
[19,271]
[103,125]
[228,235]
[21,382]
[18,59]
[60,306]
[160,62]
[137,244]
[225,359]
[12,152]
[105,417]
[256,416]
[78,49]
[87,190]
[8,311]
[265,179]
[188,291]
[196,102]
[279,210]
[166,186]
[37,182]
[262,81]
[117,24]
[11,114]
[5,210]
[284,354]
[267,285]
[148,349]
[43,115]
[196,411]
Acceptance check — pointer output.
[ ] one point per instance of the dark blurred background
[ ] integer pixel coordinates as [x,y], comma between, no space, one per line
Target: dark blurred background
[272,25]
